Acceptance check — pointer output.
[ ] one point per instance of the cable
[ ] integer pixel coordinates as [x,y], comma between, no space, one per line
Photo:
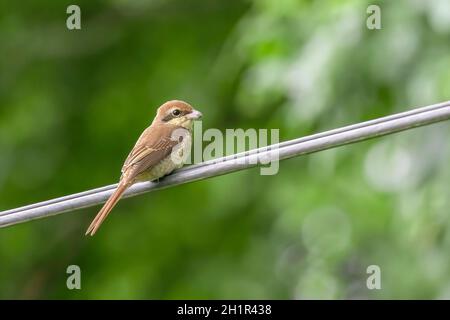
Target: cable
[288,149]
[246,153]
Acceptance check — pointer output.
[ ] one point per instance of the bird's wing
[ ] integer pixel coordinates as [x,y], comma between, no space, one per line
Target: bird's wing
[154,145]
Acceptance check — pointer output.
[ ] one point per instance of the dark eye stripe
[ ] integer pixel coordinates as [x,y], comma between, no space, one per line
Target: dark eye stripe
[170,116]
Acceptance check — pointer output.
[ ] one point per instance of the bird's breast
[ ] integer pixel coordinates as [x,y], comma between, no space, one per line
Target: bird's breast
[176,159]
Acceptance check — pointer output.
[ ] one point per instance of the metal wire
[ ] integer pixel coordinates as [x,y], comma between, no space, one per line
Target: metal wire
[288,149]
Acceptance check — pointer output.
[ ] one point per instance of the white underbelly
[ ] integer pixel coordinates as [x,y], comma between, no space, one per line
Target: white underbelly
[175,160]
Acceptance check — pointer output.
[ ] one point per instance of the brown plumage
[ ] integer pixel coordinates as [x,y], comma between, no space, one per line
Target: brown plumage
[159,150]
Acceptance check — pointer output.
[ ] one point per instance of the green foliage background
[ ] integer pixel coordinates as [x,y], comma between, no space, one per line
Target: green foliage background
[72,103]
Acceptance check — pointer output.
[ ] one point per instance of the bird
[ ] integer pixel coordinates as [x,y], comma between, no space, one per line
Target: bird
[162,147]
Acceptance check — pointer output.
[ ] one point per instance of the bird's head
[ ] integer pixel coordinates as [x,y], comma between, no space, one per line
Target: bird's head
[177,113]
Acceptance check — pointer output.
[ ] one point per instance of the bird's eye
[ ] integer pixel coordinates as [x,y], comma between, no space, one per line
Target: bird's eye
[176,112]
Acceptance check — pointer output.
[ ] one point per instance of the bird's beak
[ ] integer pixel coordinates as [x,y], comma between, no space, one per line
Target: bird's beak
[194,115]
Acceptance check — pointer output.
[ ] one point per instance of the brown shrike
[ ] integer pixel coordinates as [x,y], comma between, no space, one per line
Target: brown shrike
[161,148]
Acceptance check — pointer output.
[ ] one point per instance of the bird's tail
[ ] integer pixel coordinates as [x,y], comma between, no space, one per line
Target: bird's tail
[107,207]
